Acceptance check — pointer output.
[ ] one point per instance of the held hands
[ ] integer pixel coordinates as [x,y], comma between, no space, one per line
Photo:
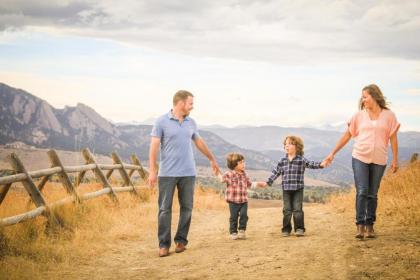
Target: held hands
[261,184]
[215,167]
[328,160]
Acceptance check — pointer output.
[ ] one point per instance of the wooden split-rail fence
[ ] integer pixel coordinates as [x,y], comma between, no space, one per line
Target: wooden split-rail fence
[26,177]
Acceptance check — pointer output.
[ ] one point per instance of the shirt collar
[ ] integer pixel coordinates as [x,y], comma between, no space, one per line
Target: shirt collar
[239,173]
[287,158]
[172,117]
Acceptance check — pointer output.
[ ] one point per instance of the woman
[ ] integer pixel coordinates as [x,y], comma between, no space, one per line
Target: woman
[372,128]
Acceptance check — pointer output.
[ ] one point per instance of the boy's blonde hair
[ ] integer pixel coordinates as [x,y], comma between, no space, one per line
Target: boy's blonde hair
[297,141]
[233,159]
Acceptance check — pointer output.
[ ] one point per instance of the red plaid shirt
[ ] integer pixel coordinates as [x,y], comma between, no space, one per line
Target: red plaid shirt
[236,186]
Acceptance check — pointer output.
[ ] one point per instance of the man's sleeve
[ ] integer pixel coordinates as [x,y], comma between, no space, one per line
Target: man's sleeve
[157,130]
[195,134]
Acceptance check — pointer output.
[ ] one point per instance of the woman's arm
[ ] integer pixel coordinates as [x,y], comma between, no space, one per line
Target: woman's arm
[394,147]
[340,144]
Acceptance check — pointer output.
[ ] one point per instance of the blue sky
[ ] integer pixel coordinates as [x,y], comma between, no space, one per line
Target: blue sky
[304,65]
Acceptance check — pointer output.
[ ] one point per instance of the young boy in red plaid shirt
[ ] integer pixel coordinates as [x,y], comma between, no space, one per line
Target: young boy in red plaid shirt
[237,183]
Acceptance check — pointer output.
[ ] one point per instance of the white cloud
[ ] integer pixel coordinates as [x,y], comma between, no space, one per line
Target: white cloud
[275,31]
[248,62]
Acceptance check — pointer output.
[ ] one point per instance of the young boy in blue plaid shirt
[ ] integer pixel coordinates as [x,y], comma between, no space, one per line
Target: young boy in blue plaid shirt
[292,168]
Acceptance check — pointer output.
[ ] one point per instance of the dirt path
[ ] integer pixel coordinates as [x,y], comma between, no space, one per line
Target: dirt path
[328,251]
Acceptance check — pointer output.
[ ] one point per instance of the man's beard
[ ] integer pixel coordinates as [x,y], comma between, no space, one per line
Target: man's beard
[186,113]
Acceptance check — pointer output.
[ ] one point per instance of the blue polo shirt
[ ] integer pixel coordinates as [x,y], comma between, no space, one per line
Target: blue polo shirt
[176,151]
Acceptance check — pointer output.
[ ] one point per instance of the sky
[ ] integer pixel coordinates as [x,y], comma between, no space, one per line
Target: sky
[285,63]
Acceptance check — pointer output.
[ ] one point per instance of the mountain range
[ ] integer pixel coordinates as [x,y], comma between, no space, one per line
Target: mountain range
[29,119]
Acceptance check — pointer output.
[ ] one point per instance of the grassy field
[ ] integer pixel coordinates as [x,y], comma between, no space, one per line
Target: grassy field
[31,250]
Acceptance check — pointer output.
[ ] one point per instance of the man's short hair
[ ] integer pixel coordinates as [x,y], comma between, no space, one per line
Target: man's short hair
[233,159]
[181,95]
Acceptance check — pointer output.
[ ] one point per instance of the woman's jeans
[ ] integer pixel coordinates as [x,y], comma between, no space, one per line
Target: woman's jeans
[185,186]
[367,178]
[292,206]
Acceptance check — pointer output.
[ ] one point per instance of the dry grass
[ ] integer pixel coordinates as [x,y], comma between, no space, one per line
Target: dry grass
[29,249]
[398,198]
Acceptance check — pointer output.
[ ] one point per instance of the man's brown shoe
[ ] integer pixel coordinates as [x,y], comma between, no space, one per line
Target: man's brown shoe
[163,252]
[180,248]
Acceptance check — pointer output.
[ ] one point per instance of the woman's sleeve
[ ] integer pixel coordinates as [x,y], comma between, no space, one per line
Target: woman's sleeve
[353,125]
[393,124]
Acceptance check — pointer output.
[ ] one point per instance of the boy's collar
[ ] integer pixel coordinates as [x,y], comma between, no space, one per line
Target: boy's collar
[296,156]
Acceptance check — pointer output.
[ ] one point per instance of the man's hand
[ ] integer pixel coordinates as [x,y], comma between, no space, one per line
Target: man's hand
[215,167]
[152,179]
[154,148]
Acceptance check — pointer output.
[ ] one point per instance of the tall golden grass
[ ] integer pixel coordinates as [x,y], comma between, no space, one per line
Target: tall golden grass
[29,249]
[398,197]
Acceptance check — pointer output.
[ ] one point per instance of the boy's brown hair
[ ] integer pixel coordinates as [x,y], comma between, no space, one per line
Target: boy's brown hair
[181,95]
[297,141]
[233,159]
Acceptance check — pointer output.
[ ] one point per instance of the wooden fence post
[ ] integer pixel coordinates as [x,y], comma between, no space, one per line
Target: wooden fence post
[124,175]
[3,191]
[28,183]
[99,174]
[63,176]
[142,172]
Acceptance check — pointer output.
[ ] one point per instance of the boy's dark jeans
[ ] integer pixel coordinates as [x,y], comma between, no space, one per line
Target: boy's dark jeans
[292,205]
[238,210]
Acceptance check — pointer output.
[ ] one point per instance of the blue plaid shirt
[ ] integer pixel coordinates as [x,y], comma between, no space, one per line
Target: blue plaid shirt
[292,172]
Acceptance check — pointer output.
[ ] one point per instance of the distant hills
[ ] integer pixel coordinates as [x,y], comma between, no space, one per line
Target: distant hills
[29,119]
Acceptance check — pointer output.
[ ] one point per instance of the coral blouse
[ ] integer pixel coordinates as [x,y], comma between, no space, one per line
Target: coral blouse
[371,137]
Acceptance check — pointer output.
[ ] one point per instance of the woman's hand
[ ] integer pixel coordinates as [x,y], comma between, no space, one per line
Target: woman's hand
[394,166]
[328,160]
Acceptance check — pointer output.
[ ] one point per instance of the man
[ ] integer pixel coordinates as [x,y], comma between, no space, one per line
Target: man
[173,133]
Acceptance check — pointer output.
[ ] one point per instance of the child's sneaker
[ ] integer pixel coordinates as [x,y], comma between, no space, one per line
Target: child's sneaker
[299,232]
[241,234]
[234,236]
[285,234]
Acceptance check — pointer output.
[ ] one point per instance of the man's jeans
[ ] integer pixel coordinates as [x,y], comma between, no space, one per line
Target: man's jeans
[367,178]
[292,204]
[238,210]
[185,186]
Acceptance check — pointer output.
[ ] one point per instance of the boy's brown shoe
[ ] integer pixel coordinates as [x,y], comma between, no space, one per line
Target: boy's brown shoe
[163,252]
[180,248]
[370,233]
